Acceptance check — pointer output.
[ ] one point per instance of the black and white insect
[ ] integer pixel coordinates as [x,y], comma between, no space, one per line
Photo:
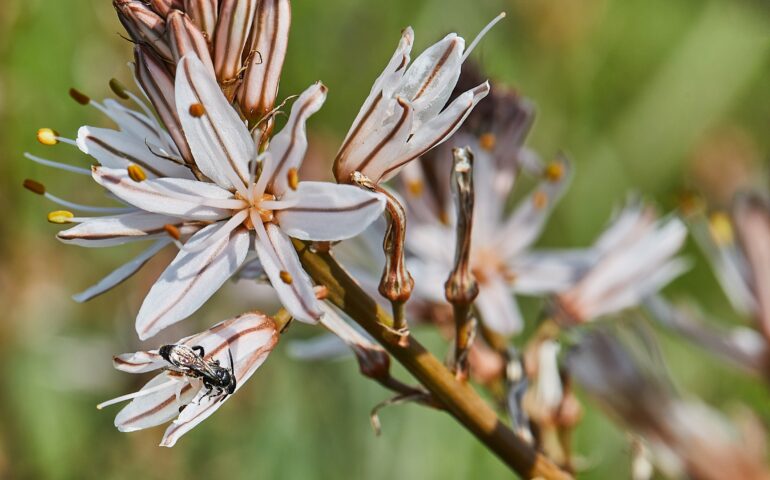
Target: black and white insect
[191,361]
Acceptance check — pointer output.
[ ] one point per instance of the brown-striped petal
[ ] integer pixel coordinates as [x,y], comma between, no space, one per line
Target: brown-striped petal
[144,25]
[233,26]
[204,14]
[158,84]
[267,50]
[184,37]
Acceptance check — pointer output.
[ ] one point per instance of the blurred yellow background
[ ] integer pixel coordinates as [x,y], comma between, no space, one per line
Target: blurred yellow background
[652,95]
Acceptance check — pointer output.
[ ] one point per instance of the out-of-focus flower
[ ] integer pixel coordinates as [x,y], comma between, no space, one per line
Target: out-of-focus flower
[687,435]
[738,248]
[404,115]
[633,259]
[274,204]
[171,394]
[499,258]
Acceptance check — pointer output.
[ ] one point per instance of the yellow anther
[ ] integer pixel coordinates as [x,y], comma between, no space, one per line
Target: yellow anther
[554,171]
[118,89]
[172,231]
[136,173]
[197,110]
[443,217]
[293,178]
[415,187]
[286,277]
[721,228]
[540,199]
[264,214]
[79,96]
[34,187]
[46,136]
[487,141]
[60,216]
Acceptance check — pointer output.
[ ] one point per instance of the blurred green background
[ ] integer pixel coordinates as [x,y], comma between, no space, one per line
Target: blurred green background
[651,95]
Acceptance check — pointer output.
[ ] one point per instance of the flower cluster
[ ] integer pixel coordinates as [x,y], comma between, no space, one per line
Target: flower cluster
[425,179]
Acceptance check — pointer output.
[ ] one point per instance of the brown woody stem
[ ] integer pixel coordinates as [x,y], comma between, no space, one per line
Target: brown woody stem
[458,398]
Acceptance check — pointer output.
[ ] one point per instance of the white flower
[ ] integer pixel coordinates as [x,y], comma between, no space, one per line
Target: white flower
[274,204]
[634,260]
[499,258]
[404,115]
[249,338]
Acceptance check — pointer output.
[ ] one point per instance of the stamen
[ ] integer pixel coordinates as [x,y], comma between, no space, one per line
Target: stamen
[60,216]
[140,393]
[223,231]
[267,204]
[286,277]
[293,178]
[415,187]
[61,166]
[721,229]
[118,89]
[136,173]
[481,35]
[86,208]
[197,110]
[540,200]
[261,184]
[47,136]
[79,96]
[172,231]
[34,187]
[554,171]
[487,141]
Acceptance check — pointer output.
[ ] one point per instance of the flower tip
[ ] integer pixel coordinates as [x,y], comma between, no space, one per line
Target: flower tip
[34,187]
[60,216]
[47,136]
[79,96]
[118,89]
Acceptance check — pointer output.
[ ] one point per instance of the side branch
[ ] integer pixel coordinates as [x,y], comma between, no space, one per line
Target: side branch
[458,398]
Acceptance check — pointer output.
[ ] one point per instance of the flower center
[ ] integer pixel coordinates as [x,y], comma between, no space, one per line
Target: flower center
[255,206]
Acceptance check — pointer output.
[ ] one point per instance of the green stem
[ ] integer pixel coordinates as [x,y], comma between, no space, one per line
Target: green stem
[458,398]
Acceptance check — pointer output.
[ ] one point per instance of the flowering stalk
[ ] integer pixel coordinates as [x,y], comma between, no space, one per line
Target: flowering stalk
[396,283]
[459,399]
[461,288]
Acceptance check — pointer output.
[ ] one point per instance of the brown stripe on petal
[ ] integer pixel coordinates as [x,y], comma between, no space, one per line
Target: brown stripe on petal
[157,408]
[120,361]
[124,155]
[352,137]
[212,127]
[350,208]
[298,124]
[439,65]
[183,292]
[405,110]
[439,138]
[293,285]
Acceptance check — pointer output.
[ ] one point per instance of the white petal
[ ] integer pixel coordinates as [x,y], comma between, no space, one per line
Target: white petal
[438,129]
[249,338]
[167,196]
[191,279]
[327,211]
[117,229]
[115,149]
[139,126]
[219,140]
[288,147]
[278,255]
[539,273]
[158,407]
[366,120]
[526,223]
[122,273]
[432,76]
[139,362]
[497,306]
